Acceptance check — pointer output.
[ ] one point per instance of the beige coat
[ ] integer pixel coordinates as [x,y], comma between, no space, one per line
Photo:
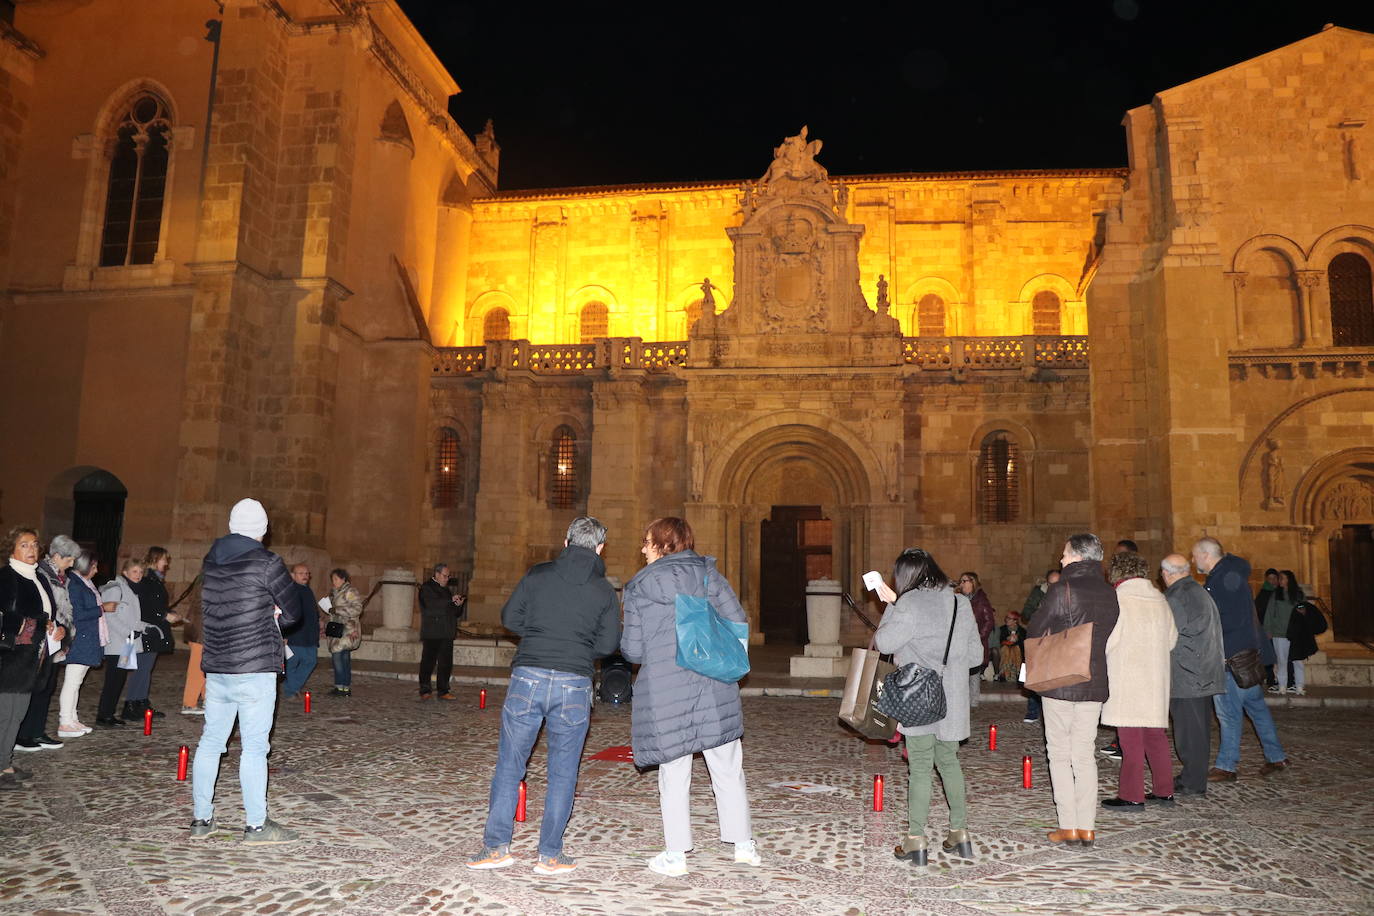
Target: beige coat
[1138,658]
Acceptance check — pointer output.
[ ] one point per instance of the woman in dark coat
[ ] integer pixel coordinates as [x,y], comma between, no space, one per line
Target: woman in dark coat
[678,713]
[154,612]
[86,651]
[26,607]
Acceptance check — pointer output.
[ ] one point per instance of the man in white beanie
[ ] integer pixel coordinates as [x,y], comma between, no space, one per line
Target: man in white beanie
[245,587]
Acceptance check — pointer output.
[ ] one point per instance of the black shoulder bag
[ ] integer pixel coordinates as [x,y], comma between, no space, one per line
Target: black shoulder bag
[913,695]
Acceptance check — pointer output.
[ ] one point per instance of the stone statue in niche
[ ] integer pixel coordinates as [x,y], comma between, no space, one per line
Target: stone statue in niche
[1271,475]
[698,470]
[883,305]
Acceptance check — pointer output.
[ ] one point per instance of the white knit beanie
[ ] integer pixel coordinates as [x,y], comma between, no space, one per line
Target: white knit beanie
[248,518]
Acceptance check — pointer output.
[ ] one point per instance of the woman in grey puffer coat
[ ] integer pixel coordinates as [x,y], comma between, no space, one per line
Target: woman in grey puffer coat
[922,615]
[677,712]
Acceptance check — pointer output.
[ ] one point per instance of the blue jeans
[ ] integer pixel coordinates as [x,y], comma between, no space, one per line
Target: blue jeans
[1229,707]
[298,668]
[141,680]
[343,668]
[1033,705]
[252,699]
[537,696]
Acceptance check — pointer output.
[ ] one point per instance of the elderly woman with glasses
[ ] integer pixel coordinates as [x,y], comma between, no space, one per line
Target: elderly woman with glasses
[33,731]
[26,624]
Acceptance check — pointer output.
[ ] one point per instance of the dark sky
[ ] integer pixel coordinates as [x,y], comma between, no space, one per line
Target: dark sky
[601,93]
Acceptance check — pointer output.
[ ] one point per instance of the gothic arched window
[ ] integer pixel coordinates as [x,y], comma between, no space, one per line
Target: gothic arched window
[1045,313]
[930,316]
[448,469]
[999,476]
[1352,300]
[563,470]
[137,183]
[595,321]
[496,326]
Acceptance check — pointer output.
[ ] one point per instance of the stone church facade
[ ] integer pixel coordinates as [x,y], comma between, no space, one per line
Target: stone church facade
[267,261]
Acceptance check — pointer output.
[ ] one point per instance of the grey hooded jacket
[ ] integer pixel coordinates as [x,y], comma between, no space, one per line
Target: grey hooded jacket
[676,712]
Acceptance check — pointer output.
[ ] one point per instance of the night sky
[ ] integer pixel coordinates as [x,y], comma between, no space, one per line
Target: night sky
[599,93]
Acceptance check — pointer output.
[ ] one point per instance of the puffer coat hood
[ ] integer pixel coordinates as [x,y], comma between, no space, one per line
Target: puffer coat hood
[676,712]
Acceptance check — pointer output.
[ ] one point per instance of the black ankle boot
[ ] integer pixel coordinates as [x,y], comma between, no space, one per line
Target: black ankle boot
[132,711]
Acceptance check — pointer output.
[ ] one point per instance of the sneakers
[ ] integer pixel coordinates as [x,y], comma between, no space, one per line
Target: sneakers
[1298,691]
[269,834]
[493,857]
[341,692]
[1111,751]
[1031,719]
[746,853]
[554,865]
[72,730]
[49,742]
[29,745]
[201,830]
[672,864]
[193,710]
[1276,689]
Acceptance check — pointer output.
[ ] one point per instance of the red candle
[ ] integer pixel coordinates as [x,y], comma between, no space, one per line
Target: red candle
[1026,772]
[147,721]
[992,737]
[482,701]
[520,804]
[878,792]
[306,695]
[183,756]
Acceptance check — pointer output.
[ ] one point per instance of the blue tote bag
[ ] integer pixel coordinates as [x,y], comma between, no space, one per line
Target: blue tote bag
[707,643]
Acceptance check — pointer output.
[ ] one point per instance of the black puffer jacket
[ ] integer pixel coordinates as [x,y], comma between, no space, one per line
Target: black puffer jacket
[1080,596]
[26,626]
[242,583]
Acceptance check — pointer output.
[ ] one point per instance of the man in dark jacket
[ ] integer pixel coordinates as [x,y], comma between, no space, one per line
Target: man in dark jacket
[1228,582]
[440,611]
[566,615]
[245,587]
[303,636]
[1071,713]
[1196,671]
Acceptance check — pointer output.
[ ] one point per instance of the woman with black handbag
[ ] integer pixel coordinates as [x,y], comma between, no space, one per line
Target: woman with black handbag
[344,629]
[925,619]
[156,635]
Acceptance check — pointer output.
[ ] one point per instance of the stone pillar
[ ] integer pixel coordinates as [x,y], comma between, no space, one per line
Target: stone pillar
[823,655]
[398,606]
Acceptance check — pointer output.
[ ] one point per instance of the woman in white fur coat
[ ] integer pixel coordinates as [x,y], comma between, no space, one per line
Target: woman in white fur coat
[1138,680]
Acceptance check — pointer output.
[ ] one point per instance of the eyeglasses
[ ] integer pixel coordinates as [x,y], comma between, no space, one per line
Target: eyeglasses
[965,579]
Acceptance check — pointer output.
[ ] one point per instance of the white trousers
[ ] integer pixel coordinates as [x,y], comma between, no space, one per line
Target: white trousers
[726,766]
[71,685]
[1281,649]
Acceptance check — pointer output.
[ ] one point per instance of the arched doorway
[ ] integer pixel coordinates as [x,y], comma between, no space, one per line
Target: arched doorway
[88,503]
[1336,501]
[788,503]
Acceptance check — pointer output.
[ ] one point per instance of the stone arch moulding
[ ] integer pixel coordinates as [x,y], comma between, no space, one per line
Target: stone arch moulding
[543,430]
[1052,282]
[1330,243]
[1319,479]
[484,303]
[59,504]
[1024,437]
[857,470]
[1281,244]
[1284,414]
[1025,441]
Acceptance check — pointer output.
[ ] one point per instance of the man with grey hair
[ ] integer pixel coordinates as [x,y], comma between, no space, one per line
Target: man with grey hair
[1071,713]
[440,611]
[1196,671]
[1228,582]
[567,616]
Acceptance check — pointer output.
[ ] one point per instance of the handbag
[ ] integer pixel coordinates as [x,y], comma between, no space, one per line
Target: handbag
[154,638]
[913,695]
[334,629]
[1246,668]
[859,702]
[128,655]
[1059,659]
[707,643]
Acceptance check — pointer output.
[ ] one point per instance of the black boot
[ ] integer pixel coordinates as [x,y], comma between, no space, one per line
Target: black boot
[132,712]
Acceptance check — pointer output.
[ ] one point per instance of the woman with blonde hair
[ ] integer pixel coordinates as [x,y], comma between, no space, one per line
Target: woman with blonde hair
[123,620]
[677,712]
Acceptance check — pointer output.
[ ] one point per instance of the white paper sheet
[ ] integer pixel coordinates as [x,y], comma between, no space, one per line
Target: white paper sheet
[325,603]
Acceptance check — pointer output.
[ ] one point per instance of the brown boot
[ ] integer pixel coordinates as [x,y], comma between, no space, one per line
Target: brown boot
[1067,837]
[1215,775]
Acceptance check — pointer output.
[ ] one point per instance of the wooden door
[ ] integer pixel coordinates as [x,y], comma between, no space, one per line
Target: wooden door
[1352,583]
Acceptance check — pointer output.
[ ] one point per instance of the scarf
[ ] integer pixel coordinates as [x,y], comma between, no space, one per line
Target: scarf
[29,632]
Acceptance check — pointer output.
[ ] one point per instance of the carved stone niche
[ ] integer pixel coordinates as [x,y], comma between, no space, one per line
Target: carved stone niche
[797,300]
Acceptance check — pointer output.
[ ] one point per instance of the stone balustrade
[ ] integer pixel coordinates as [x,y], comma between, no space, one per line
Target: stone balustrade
[926,353]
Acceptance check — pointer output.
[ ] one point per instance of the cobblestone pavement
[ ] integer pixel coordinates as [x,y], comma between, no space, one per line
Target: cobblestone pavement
[390,795]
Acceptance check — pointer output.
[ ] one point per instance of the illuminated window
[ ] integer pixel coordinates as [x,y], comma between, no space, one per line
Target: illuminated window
[930,316]
[999,473]
[1352,301]
[496,325]
[1045,313]
[448,469]
[563,489]
[138,179]
[595,321]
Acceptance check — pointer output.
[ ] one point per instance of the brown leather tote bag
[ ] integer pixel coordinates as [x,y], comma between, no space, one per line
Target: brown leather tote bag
[1060,659]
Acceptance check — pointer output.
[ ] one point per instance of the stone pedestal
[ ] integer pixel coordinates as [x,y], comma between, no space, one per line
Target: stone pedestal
[823,655]
[398,607]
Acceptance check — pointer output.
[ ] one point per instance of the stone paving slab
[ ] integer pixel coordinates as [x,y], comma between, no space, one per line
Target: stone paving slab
[390,794]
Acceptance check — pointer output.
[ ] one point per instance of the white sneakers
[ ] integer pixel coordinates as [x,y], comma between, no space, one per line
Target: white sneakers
[674,864]
[73,730]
